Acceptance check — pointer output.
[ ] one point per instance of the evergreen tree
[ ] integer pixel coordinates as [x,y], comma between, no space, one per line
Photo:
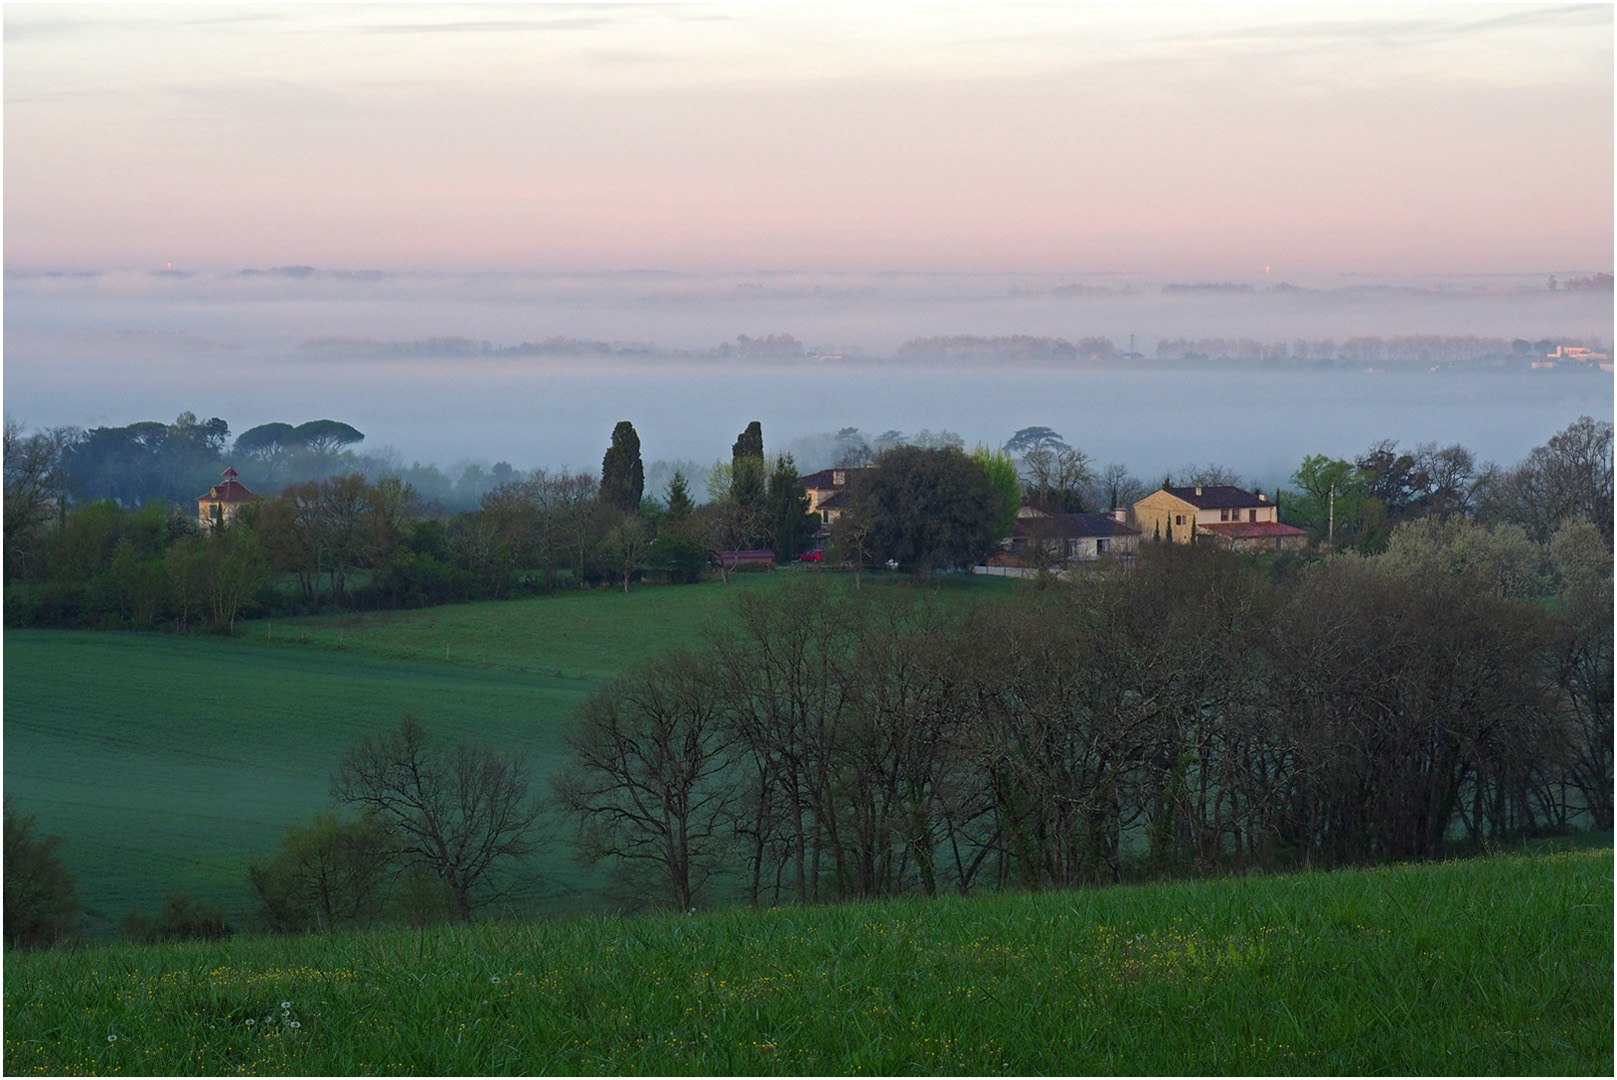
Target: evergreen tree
[790,523]
[679,500]
[623,476]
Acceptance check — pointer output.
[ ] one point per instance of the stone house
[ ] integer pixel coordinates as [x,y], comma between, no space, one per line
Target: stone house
[1215,514]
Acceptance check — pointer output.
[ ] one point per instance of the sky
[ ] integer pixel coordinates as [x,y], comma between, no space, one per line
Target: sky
[1206,140]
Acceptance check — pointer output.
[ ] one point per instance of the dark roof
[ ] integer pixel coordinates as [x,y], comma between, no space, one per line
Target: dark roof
[824,480]
[1247,530]
[837,500]
[1217,497]
[1071,526]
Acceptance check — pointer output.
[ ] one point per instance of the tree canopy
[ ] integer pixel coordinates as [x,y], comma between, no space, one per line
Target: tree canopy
[924,509]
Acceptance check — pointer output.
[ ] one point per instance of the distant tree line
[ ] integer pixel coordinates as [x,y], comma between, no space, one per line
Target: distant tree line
[347,541]
[1406,349]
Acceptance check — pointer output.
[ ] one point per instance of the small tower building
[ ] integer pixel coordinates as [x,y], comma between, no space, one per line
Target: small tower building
[219,506]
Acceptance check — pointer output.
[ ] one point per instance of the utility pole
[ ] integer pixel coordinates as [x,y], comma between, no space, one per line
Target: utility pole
[1332,534]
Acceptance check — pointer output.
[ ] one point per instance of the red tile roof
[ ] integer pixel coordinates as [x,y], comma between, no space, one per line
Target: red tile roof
[1250,530]
[231,491]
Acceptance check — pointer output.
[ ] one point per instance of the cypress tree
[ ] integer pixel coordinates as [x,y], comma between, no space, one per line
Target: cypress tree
[623,476]
[748,479]
[750,443]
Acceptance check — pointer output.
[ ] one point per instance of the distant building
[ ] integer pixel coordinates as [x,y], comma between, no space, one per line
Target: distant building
[1215,514]
[828,492]
[1069,537]
[223,501]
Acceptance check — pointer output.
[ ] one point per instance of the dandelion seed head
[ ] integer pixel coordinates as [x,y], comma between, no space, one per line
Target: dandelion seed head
[286,1004]
[112,1038]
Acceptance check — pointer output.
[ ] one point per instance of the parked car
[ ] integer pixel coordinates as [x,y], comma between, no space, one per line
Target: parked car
[812,556]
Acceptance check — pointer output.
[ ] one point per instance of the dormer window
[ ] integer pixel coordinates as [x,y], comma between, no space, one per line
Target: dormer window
[838,478]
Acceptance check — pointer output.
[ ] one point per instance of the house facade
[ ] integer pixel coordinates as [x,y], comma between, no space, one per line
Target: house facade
[1217,514]
[223,501]
[1069,537]
[828,492]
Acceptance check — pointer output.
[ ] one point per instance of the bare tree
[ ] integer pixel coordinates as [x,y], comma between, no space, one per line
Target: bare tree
[1569,476]
[647,783]
[1115,488]
[1209,475]
[35,481]
[625,546]
[1055,477]
[458,812]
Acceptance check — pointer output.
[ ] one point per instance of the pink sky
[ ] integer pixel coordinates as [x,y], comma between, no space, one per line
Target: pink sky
[1208,140]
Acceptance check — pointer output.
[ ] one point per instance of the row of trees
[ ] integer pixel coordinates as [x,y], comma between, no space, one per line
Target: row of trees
[1190,716]
[350,542]
[1358,502]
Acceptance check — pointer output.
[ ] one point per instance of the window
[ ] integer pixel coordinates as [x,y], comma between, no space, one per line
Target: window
[1224,515]
[1102,545]
[1179,519]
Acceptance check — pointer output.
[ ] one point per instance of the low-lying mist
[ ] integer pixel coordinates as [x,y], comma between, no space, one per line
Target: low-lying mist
[434,365]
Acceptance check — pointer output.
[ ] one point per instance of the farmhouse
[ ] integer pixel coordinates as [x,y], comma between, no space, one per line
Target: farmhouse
[222,502]
[1215,514]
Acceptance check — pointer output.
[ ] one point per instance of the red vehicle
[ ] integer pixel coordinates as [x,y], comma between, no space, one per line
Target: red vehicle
[812,556]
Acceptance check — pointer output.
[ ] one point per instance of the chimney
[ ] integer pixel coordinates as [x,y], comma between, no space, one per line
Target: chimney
[1121,514]
[1262,497]
[1198,489]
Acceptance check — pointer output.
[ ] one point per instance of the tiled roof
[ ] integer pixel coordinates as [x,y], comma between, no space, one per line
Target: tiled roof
[837,500]
[1249,530]
[1071,526]
[825,479]
[228,492]
[1217,497]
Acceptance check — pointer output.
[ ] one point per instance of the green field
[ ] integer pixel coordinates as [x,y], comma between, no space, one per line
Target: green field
[1485,967]
[166,762]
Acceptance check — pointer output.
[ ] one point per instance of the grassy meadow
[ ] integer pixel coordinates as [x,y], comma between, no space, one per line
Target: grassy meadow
[1490,966]
[165,762]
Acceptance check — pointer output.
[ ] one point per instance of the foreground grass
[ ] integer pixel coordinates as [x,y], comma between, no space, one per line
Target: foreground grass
[1493,966]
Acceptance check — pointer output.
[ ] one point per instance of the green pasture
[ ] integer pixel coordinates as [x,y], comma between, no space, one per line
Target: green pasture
[166,762]
[1497,966]
[590,634]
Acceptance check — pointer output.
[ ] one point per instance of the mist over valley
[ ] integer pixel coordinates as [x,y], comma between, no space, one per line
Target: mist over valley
[535,369]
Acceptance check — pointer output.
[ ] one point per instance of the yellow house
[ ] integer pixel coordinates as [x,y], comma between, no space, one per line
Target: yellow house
[1215,514]
[220,505]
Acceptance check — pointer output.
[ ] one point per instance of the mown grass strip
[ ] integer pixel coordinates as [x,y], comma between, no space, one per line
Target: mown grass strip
[1493,966]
